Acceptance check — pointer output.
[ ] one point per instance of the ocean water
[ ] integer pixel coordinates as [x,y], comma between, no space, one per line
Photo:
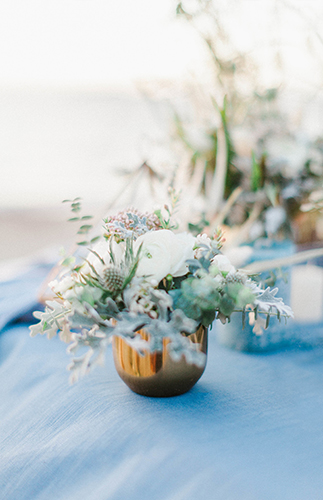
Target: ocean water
[57,144]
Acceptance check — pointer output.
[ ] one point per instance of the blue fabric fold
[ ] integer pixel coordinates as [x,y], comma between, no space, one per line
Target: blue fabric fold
[19,296]
[251,429]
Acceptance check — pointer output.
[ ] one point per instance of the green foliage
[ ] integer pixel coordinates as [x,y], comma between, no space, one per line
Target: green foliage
[75,206]
[105,296]
[201,296]
[255,173]
[199,226]
[84,229]
[198,299]
[256,111]
[131,262]
[68,261]
[165,216]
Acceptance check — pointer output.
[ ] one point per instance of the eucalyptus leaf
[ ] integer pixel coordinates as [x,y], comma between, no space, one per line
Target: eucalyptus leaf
[84,229]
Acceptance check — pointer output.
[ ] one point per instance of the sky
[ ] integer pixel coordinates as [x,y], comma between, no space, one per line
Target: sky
[86,42]
[114,42]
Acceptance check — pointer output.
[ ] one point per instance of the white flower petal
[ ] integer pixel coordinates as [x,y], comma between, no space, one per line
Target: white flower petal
[223,264]
[181,252]
[163,253]
[155,259]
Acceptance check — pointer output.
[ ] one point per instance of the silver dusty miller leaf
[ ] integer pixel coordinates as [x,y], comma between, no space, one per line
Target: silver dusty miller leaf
[266,300]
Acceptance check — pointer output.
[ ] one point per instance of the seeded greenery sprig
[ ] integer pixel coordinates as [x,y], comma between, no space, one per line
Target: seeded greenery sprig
[166,217]
[84,228]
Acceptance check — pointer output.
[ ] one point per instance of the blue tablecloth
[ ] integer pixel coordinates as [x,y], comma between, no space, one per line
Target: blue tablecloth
[251,429]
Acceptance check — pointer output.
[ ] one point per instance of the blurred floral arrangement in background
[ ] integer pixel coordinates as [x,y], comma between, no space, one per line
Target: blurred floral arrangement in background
[141,273]
[249,154]
[250,166]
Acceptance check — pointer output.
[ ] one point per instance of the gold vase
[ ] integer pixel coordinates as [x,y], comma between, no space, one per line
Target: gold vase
[157,374]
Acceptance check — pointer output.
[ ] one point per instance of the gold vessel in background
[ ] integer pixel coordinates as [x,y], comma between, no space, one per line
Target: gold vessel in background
[157,374]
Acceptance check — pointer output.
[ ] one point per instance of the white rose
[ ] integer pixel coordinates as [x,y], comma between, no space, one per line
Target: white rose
[163,253]
[181,252]
[223,264]
[201,240]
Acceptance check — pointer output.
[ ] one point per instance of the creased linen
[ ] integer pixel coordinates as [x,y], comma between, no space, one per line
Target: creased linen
[251,429]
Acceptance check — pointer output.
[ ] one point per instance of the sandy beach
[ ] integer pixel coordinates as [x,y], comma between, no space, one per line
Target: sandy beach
[28,232]
[62,143]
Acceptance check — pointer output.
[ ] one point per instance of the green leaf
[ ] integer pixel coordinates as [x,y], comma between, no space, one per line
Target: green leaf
[96,238]
[84,229]
[93,282]
[73,219]
[255,173]
[243,317]
[208,317]
[199,226]
[82,243]
[87,217]
[92,267]
[160,218]
[97,255]
[226,306]
[256,312]
[271,192]
[175,294]
[68,261]
[131,274]
[76,206]
[86,296]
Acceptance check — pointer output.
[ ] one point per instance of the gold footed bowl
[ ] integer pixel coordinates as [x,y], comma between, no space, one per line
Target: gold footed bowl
[156,374]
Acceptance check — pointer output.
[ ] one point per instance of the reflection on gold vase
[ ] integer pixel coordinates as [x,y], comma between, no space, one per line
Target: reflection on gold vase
[157,374]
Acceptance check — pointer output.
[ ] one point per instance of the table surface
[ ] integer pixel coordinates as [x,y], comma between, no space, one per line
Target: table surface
[251,429]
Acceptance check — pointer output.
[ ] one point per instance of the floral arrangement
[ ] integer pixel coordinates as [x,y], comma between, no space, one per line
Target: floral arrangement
[141,273]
